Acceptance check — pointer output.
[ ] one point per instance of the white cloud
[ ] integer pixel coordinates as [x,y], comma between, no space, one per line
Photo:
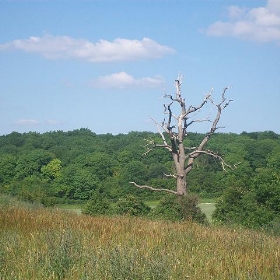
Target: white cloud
[27,122]
[33,122]
[260,24]
[64,47]
[123,80]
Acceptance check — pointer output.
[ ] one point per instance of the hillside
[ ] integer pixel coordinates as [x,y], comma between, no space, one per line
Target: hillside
[69,167]
[38,243]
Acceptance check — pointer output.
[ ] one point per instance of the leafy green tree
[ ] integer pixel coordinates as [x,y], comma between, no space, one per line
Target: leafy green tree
[253,200]
[240,207]
[136,170]
[157,170]
[258,152]
[100,164]
[7,168]
[267,183]
[76,183]
[15,139]
[30,163]
[52,170]
[33,189]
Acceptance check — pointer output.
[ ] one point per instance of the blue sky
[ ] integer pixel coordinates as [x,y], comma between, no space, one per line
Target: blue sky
[105,64]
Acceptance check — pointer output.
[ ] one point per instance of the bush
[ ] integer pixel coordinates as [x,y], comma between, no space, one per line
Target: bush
[238,206]
[177,208]
[129,205]
[273,227]
[97,205]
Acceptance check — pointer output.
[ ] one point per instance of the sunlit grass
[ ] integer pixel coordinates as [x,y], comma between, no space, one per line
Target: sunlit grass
[37,243]
[76,208]
[152,203]
[207,208]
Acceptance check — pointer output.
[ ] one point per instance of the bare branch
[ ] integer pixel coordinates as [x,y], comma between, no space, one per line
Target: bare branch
[148,150]
[212,154]
[235,165]
[215,122]
[168,147]
[170,175]
[153,189]
[194,121]
[192,109]
[190,148]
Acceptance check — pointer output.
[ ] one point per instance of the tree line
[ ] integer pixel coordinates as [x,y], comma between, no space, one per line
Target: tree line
[67,167]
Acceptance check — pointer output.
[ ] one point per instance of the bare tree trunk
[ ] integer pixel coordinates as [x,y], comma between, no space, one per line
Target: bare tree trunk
[175,129]
[181,185]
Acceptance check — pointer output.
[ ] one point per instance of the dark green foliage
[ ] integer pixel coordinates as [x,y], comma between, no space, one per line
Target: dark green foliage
[129,205]
[241,207]
[33,189]
[97,205]
[8,163]
[119,159]
[71,166]
[31,162]
[178,208]
[256,202]
[157,170]
[77,183]
[136,171]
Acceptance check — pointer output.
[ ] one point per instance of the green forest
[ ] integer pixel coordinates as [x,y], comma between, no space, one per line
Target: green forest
[79,166]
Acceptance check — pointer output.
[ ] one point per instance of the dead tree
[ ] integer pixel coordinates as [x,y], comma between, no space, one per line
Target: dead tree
[174,130]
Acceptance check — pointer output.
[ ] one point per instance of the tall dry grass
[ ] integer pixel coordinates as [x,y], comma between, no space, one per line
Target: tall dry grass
[53,244]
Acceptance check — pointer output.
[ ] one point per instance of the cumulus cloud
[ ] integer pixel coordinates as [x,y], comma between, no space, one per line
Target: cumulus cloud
[123,80]
[64,47]
[260,24]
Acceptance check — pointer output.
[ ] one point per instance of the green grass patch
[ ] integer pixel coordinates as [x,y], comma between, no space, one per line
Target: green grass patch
[207,208]
[152,203]
[76,208]
[207,200]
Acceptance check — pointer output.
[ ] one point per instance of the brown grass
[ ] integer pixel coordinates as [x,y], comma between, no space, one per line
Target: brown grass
[55,244]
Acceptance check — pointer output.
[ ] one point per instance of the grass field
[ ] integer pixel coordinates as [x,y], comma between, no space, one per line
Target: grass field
[207,208]
[38,243]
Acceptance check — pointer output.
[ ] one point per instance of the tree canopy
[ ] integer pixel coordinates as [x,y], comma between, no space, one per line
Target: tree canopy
[72,166]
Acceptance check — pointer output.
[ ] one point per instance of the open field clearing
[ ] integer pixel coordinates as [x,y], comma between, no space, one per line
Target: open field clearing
[54,244]
[207,208]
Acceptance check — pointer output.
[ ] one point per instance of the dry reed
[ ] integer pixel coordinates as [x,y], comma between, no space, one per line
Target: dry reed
[55,244]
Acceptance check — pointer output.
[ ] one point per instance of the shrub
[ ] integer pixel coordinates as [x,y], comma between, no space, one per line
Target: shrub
[240,207]
[176,208]
[129,205]
[97,205]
